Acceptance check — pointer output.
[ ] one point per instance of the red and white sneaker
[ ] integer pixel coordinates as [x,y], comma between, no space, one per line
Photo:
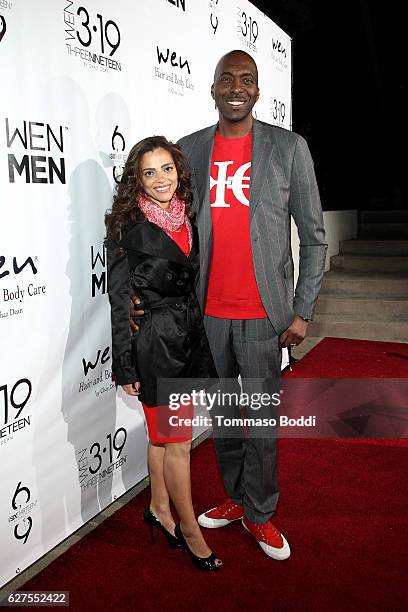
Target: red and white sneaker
[272,542]
[221,515]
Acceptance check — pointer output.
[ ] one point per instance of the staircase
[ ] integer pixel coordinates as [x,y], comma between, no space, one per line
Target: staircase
[365,293]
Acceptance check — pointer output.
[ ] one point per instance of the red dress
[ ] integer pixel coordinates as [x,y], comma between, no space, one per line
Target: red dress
[158,418]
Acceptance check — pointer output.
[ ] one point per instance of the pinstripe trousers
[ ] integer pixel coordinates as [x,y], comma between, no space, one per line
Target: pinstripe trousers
[247,458]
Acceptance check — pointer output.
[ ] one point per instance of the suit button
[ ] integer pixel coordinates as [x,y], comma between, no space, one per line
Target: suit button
[254,237]
[168,276]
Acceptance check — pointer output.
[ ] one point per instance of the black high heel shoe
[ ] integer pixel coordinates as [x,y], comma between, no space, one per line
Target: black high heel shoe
[201,563]
[153,521]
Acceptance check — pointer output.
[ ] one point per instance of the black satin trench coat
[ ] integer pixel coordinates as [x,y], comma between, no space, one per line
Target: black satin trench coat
[171,341]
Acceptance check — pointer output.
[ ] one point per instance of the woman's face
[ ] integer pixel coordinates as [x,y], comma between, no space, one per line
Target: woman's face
[158,175]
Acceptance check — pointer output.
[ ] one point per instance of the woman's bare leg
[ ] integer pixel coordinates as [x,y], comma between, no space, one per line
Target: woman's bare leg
[178,484]
[160,502]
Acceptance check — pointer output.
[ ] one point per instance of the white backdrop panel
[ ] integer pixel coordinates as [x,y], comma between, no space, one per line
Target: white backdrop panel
[83,81]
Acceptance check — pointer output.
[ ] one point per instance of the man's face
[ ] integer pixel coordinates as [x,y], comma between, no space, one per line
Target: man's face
[235,88]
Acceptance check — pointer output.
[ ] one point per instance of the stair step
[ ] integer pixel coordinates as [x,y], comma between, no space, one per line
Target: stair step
[380,231]
[358,284]
[369,263]
[384,216]
[365,293]
[345,326]
[374,247]
[372,309]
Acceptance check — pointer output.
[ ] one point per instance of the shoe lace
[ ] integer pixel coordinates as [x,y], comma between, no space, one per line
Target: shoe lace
[227,505]
[266,529]
[269,527]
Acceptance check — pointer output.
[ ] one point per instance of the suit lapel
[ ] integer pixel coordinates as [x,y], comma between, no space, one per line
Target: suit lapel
[202,172]
[202,169]
[262,147]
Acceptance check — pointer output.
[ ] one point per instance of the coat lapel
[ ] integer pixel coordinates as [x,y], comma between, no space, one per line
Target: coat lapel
[149,238]
[262,147]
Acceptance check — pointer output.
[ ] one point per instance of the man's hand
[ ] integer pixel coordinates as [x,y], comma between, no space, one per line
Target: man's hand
[295,333]
[135,301]
[132,389]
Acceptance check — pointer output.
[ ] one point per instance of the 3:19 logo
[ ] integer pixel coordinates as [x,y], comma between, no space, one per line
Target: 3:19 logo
[108,31]
[249,27]
[213,16]
[18,397]
[278,110]
[113,445]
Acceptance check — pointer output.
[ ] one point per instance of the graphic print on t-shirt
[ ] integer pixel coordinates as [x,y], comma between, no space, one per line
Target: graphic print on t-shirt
[232,289]
[236,182]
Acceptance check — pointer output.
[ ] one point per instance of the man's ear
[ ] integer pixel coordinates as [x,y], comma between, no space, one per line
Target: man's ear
[257,95]
[213,97]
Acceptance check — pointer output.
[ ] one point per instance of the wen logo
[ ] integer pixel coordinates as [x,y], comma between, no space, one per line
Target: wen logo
[179,3]
[98,259]
[16,268]
[35,136]
[278,47]
[87,365]
[174,60]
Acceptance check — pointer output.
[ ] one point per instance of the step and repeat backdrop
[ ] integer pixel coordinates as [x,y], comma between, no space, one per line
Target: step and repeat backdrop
[82,81]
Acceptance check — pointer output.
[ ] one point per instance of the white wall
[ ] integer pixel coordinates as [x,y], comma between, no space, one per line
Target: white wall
[339,225]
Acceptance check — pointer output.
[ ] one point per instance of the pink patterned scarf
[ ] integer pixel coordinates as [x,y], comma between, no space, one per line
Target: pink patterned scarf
[170,219]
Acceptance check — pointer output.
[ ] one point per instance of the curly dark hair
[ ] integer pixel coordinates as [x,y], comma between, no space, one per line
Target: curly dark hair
[125,207]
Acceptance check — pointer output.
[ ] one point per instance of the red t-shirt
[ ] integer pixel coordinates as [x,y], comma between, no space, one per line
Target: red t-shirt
[232,289]
[181,239]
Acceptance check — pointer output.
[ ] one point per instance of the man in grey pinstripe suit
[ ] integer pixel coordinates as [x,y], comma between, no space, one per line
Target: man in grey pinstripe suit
[249,178]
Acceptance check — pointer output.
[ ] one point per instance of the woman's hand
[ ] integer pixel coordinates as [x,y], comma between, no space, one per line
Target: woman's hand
[132,389]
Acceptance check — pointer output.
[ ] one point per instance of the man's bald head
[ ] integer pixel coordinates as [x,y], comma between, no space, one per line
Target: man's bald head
[235,91]
[235,55]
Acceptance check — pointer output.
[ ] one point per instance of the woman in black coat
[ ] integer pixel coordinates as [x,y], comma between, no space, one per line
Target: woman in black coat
[152,251]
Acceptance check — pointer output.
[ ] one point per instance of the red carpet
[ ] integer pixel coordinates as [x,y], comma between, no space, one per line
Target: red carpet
[344,357]
[343,510]
[347,358]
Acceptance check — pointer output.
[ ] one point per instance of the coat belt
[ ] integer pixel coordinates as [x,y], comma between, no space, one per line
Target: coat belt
[172,300]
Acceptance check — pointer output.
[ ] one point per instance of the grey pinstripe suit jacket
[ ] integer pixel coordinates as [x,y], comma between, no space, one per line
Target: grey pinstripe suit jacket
[283,183]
